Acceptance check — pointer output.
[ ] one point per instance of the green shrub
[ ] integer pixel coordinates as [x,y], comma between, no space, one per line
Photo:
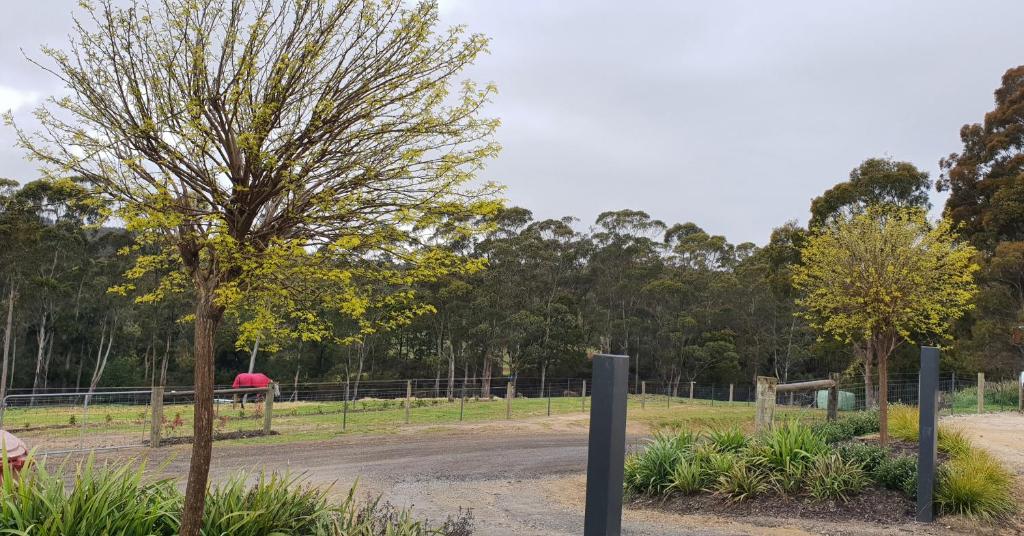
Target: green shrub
[904,422]
[897,473]
[832,477]
[688,477]
[275,504]
[742,482]
[864,422]
[975,486]
[835,431]
[729,440]
[953,441]
[717,464]
[650,472]
[789,445]
[849,427]
[117,500]
[868,457]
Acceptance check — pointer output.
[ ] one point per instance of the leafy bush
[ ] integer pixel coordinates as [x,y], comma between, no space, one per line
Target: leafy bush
[849,427]
[742,482]
[729,440]
[867,456]
[832,477]
[717,464]
[897,473]
[835,431]
[275,504]
[975,486]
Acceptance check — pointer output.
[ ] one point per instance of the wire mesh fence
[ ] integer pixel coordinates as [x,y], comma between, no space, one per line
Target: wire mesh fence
[64,420]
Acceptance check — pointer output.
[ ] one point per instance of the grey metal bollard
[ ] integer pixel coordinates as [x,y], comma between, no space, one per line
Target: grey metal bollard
[928,396]
[606,453]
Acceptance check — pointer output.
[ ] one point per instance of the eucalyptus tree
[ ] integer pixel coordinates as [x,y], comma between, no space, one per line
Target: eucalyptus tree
[263,148]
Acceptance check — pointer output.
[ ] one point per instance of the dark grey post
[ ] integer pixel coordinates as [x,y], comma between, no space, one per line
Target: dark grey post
[606,453]
[928,395]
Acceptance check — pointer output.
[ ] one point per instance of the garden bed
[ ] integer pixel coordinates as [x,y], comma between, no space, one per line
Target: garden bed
[873,505]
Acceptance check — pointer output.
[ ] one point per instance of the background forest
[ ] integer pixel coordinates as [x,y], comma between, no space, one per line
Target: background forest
[685,304]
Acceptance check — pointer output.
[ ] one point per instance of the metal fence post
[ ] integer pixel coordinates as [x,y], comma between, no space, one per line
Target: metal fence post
[981,392]
[607,446]
[583,397]
[156,405]
[509,394]
[765,412]
[643,395]
[268,408]
[929,433]
[408,399]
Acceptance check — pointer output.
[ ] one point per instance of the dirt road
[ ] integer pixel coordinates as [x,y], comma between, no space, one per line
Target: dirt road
[524,479]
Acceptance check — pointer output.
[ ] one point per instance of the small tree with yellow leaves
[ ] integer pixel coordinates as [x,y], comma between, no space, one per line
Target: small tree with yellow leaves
[881,278]
[279,159]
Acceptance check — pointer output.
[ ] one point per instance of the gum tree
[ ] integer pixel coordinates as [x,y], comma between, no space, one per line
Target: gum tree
[884,276]
[276,159]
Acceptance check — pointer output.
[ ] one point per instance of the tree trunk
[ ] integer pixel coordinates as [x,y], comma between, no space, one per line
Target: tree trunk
[101,362]
[208,317]
[883,392]
[869,384]
[40,355]
[252,356]
[163,364]
[8,330]
[485,378]
[543,377]
[451,372]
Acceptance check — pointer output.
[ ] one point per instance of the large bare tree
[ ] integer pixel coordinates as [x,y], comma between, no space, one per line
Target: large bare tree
[281,157]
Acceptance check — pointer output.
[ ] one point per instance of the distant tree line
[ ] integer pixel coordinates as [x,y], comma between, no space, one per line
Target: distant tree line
[683,303]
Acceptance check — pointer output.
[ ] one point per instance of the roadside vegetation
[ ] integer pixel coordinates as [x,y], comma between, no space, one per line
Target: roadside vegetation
[818,463]
[93,499]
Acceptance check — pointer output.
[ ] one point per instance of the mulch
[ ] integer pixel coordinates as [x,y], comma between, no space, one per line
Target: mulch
[873,505]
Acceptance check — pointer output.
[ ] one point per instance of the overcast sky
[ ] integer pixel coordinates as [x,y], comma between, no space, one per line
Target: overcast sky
[729,114]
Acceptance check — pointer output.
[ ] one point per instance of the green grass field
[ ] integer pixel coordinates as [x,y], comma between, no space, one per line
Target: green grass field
[110,425]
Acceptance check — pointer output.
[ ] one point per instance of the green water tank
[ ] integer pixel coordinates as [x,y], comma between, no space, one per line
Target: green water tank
[847,401]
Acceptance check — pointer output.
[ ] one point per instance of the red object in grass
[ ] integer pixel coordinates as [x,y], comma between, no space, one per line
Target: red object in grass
[17,452]
[246,380]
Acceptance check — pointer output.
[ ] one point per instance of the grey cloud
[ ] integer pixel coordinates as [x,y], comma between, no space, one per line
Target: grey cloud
[729,114]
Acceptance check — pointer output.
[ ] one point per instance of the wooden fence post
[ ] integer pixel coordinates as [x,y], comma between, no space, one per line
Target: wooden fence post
[691,390]
[156,404]
[268,408]
[1020,393]
[408,399]
[730,392]
[833,398]
[981,392]
[765,403]
[643,395]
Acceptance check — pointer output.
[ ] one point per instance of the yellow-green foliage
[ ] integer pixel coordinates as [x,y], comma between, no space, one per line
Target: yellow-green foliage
[885,270]
[975,485]
[904,424]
